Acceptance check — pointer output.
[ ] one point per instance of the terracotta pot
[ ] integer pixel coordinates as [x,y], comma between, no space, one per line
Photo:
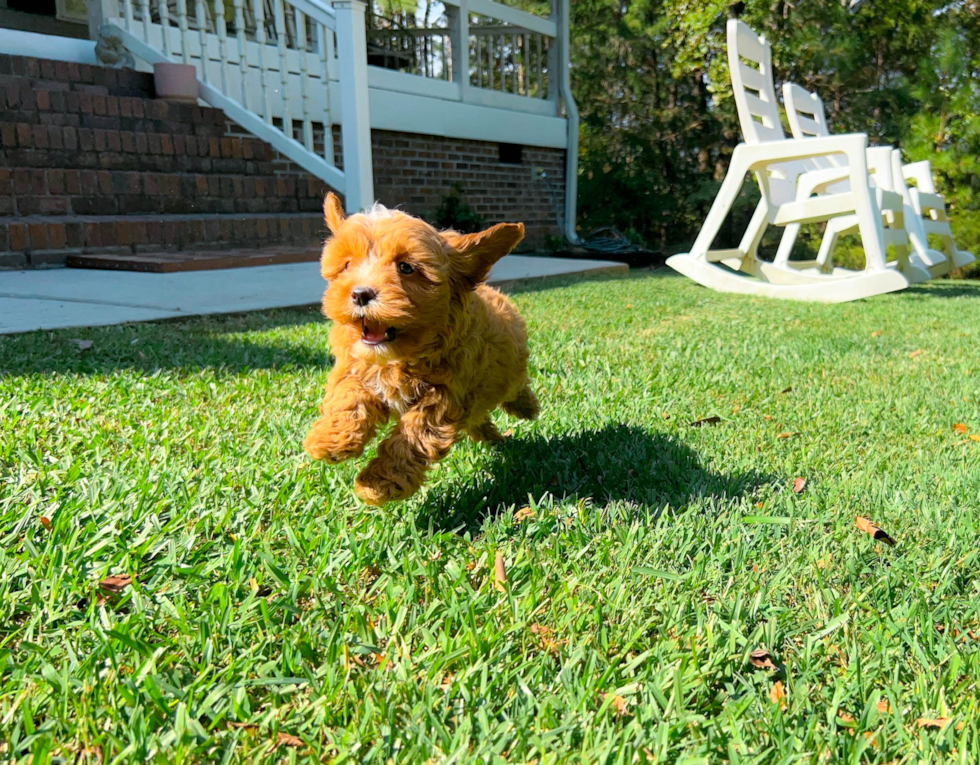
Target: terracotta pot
[176,82]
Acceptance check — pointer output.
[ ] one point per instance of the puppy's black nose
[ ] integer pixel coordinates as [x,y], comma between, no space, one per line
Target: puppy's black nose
[362,295]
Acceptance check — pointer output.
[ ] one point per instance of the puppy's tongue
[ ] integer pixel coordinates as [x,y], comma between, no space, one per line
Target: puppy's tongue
[375,333]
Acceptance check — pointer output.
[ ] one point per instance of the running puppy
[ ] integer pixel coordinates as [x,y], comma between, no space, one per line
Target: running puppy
[418,336]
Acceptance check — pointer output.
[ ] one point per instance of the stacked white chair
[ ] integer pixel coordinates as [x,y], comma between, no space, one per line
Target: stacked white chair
[800,180]
[924,211]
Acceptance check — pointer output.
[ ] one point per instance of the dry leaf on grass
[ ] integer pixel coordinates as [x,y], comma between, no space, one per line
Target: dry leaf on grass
[936,722]
[82,345]
[705,421]
[916,353]
[617,703]
[974,437]
[285,739]
[761,658]
[876,334]
[665,415]
[46,522]
[787,390]
[244,725]
[844,717]
[959,428]
[116,583]
[883,707]
[869,528]
[508,433]
[778,694]
[499,572]
[799,484]
[523,514]
[787,435]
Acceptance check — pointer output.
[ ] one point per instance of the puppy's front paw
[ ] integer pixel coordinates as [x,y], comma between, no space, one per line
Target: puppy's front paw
[379,483]
[325,443]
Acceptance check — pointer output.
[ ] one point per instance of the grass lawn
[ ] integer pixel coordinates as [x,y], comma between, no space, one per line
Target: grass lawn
[272,617]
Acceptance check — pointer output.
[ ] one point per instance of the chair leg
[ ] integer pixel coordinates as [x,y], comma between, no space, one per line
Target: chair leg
[754,233]
[720,207]
[786,242]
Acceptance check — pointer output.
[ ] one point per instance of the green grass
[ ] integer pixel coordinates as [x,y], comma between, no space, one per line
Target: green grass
[658,556]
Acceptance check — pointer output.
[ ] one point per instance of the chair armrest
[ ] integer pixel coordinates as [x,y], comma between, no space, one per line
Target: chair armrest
[758,155]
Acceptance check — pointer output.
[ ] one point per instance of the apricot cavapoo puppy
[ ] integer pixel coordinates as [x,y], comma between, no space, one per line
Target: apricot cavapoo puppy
[417,335]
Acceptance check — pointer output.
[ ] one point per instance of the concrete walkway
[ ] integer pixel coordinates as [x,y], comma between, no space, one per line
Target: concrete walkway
[68,297]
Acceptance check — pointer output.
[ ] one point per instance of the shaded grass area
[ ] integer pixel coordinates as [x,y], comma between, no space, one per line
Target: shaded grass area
[653,557]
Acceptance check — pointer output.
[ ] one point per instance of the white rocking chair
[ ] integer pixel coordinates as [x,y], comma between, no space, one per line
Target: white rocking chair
[922,212]
[787,175]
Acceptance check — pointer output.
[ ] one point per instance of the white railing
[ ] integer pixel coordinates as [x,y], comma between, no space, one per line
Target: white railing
[268,66]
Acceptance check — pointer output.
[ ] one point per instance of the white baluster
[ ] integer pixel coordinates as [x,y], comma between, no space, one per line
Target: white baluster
[326,54]
[479,61]
[242,57]
[501,53]
[128,12]
[490,62]
[540,47]
[287,120]
[202,33]
[165,26]
[222,29]
[182,22]
[145,13]
[514,58]
[304,80]
[259,10]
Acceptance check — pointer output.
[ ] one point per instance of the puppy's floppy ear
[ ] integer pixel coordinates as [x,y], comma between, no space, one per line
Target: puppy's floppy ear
[333,213]
[474,254]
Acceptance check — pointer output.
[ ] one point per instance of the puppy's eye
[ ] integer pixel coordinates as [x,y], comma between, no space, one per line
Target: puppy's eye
[404,268]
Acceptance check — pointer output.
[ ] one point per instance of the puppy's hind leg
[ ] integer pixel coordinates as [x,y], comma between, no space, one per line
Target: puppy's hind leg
[485,431]
[524,405]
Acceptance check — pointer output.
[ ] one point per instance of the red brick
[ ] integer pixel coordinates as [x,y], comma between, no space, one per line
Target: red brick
[38,235]
[105,182]
[100,139]
[25,135]
[154,143]
[86,139]
[98,105]
[43,100]
[8,134]
[55,137]
[166,144]
[92,236]
[128,140]
[69,138]
[19,237]
[56,236]
[56,181]
[112,106]
[113,141]
[6,181]
[72,182]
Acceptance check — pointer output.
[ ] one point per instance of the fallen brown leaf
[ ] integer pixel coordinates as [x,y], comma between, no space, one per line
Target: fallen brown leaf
[523,514]
[916,353]
[758,505]
[285,739]
[787,435]
[705,421]
[618,703]
[883,707]
[665,415]
[974,437]
[767,417]
[959,428]
[499,572]
[46,522]
[876,334]
[778,694]
[761,659]
[245,725]
[116,583]
[936,722]
[787,390]
[844,717]
[799,484]
[869,528]
[508,433]
[83,345]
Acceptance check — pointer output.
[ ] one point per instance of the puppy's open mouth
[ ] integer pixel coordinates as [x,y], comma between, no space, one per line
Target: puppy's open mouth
[376,334]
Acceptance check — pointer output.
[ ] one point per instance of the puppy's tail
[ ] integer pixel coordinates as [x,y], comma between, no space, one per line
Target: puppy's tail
[524,405]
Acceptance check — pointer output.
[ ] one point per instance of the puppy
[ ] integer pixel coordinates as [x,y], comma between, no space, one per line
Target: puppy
[418,336]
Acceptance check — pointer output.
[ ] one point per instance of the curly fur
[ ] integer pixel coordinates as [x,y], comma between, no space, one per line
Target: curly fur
[458,351]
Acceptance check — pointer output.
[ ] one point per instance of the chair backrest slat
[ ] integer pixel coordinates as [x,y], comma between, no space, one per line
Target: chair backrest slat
[750,65]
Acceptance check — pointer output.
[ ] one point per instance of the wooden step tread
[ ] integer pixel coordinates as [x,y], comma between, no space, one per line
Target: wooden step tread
[190,260]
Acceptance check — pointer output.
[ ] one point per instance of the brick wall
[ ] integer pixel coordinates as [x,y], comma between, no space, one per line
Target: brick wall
[90,161]
[416,172]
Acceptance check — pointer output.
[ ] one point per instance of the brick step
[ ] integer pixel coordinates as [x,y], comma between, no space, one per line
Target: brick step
[44,241]
[207,260]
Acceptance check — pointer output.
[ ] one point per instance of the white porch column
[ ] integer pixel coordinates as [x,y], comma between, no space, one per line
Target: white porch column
[355,120]
[459,30]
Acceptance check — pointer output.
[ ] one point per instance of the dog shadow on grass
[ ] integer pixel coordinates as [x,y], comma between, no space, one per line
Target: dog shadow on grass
[613,463]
